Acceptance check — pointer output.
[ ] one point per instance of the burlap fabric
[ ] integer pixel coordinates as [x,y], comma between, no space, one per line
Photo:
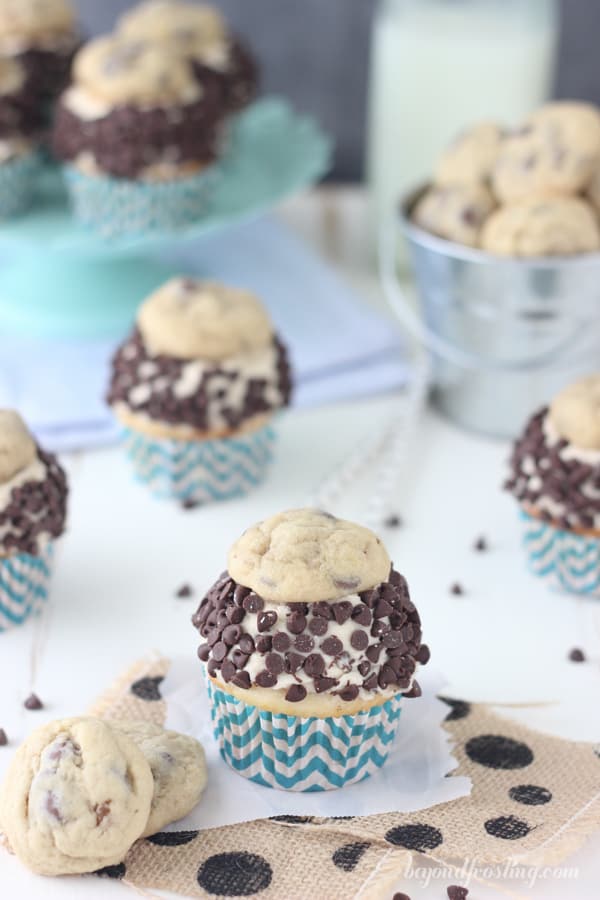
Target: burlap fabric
[534,800]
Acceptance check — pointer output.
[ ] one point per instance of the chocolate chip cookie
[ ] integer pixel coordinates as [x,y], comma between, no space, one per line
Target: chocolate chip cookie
[455,212]
[551,226]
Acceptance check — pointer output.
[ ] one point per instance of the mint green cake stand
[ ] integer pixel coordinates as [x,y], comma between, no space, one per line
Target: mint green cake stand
[58,278]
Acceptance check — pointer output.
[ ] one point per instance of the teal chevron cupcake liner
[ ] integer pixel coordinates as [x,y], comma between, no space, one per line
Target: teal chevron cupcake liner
[566,560]
[18,184]
[201,471]
[117,206]
[295,753]
[24,582]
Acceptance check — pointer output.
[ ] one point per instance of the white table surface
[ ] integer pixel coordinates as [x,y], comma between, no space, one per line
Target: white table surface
[505,641]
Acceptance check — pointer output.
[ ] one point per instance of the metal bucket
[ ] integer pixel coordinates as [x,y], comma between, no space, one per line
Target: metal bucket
[504,335]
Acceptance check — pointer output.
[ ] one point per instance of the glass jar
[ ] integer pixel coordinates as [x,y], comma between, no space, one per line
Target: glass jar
[437,66]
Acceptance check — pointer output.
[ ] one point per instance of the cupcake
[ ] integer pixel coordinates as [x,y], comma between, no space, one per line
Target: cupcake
[33,494]
[139,134]
[20,121]
[199,33]
[309,642]
[40,35]
[555,476]
[196,387]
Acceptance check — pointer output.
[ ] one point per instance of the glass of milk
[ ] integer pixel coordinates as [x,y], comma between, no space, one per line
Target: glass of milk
[438,66]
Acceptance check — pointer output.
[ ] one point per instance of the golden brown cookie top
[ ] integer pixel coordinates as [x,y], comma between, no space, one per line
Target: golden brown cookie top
[192,319]
[470,158]
[575,413]
[17,447]
[306,555]
[189,27]
[542,226]
[119,71]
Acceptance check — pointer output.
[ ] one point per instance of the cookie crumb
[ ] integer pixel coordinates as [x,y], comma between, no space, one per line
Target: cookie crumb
[186,590]
[481,545]
[455,892]
[3,738]
[393,521]
[457,589]
[33,702]
[577,655]
[190,503]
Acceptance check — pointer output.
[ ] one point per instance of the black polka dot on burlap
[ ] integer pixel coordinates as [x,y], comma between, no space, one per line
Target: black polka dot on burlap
[172,838]
[415,837]
[459,709]
[147,688]
[530,794]
[235,874]
[117,871]
[497,752]
[349,856]
[292,820]
[509,828]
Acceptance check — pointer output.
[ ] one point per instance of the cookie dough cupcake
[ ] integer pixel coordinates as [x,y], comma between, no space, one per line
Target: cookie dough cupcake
[20,122]
[140,135]
[33,493]
[555,476]
[196,387]
[42,36]
[309,641]
[199,33]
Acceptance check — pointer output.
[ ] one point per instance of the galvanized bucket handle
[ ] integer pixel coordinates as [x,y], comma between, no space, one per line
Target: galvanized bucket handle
[437,345]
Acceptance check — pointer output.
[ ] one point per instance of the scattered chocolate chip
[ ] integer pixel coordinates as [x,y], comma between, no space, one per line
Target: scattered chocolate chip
[342,611]
[247,644]
[235,614]
[190,503]
[362,614]
[332,646]
[252,603]
[324,684]
[383,609]
[203,652]
[457,589]
[296,623]
[359,639]
[318,626]
[364,668]
[266,620]
[370,683]
[266,679]
[219,651]
[241,680]
[423,654]
[33,702]
[577,655]
[240,593]
[314,665]
[394,521]
[274,663]
[457,893]
[231,634]
[264,643]
[322,609]
[3,738]
[185,590]
[400,896]
[293,661]
[349,693]
[304,643]
[295,693]
[480,545]
[281,642]
[239,658]
[415,691]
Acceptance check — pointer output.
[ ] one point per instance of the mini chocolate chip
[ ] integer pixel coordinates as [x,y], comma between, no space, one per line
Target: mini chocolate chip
[364,668]
[379,628]
[293,661]
[577,655]
[274,663]
[33,702]
[295,693]
[480,545]
[3,738]
[241,680]
[362,614]
[190,503]
[332,646]
[370,683]
[247,644]
[387,676]
[457,589]
[304,643]
[228,670]
[264,643]
[185,590]
[322,609]
[314,665]
[383,609]
[266,679]
[281,642]
[349,693]
[231,634]
[373,652]
[252,603]
[238,658]
[318,625]
[359,639]
[400,896]
[324,684]
[296,623]
[455,892]
[235,614]
[203,652]
[212,667]
[423,654]
[219,651]
[415,691]
[240,593]
[393,521]
[266,620]
[342,611]
[369,598]
[392,640]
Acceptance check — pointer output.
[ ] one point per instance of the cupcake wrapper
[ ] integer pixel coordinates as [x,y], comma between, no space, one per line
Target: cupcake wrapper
[24,581]
[119,206]
[565,560]
[201,471]
[296,753]
[17,184]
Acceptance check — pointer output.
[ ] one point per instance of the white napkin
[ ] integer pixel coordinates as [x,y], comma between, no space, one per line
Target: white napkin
[340,347]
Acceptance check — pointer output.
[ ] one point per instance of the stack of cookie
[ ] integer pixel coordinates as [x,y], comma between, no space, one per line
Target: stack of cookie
[532,192]
[79,792]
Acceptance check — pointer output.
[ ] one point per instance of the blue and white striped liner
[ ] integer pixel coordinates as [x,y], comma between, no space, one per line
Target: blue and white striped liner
[18,184]
[201,471]
[121,206]
[24,581]
[302,754]
[566,560]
